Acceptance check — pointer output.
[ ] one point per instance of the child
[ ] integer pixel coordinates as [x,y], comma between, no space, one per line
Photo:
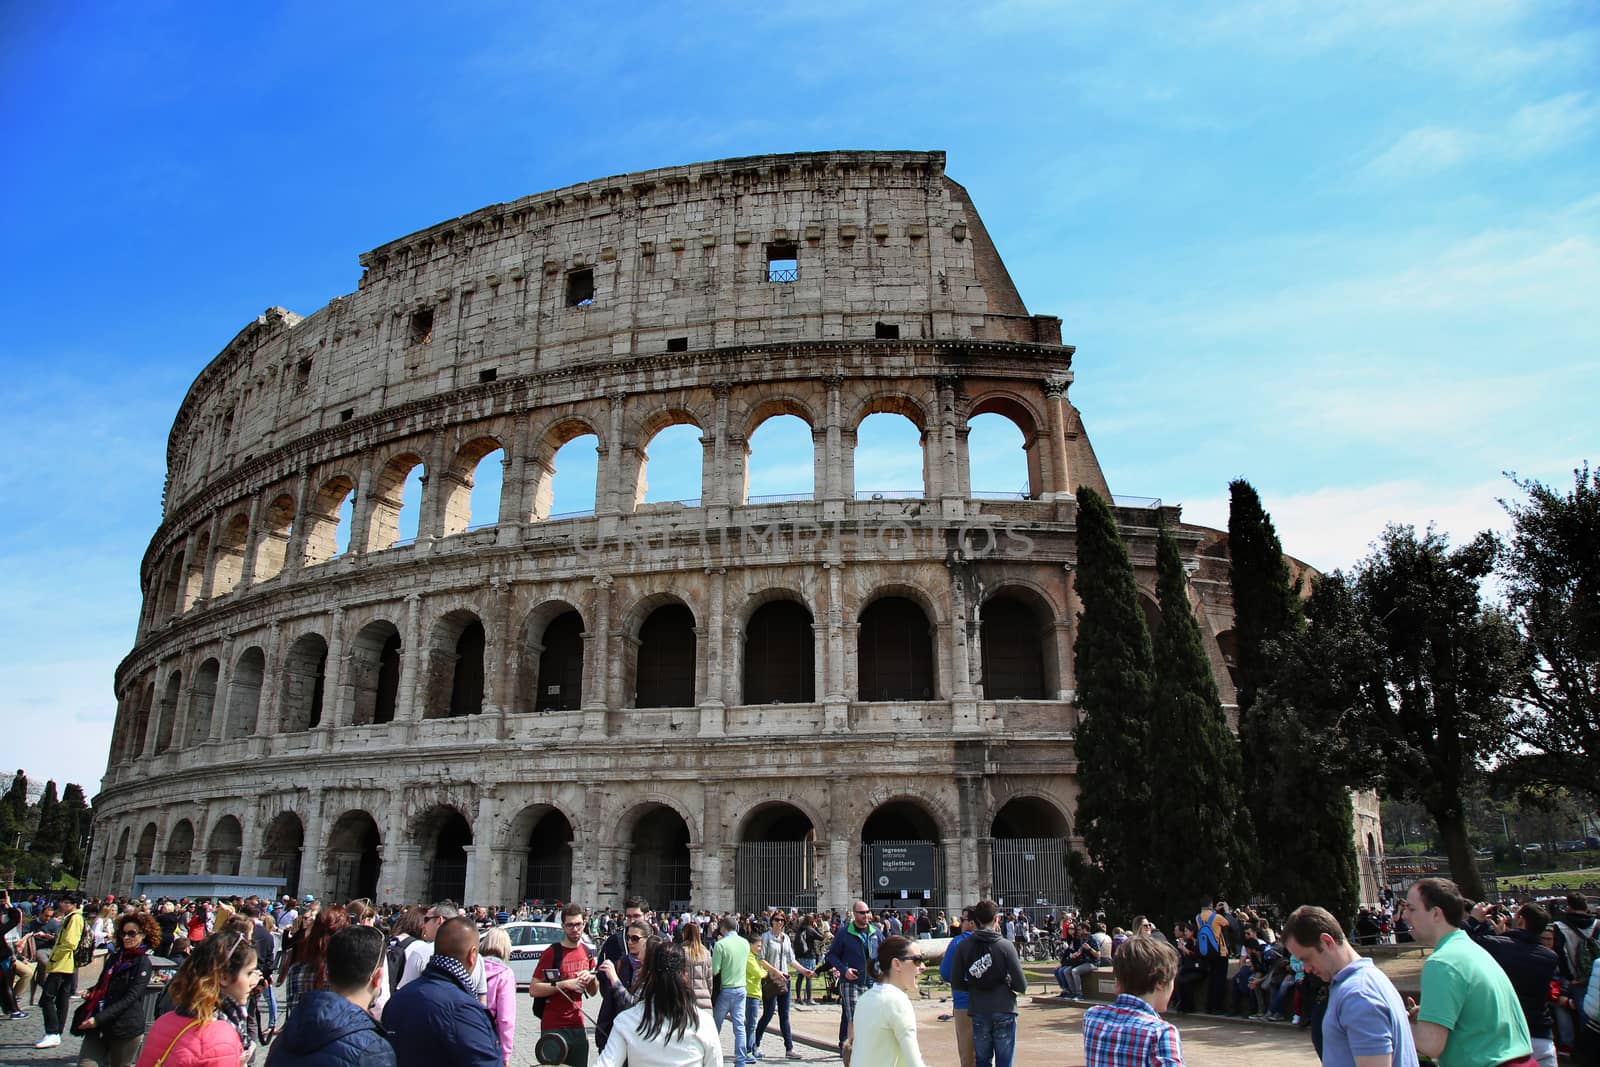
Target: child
[1130,1030]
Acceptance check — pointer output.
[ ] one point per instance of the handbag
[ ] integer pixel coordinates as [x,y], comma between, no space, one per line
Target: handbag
[80,1015]
[770,987]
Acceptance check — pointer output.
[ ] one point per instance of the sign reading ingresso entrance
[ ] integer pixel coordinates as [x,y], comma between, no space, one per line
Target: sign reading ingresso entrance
[901,865]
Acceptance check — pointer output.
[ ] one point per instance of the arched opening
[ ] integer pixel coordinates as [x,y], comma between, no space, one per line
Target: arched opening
[120,861]
[355,856]
[1228,644]
[228,563]
[1152,614]
[144,856]
[547,868]
[167,713]
[666,659]
[180,849]
[889,461]
[272,548]
[1013,637]
[328,529]
[1028,854]
[280,850]
[1004,451]
[564,485]
[304,677]
[244,693]
[775,861]
[375,672]
[558,685]
[444,835]
[894,651]
[141,721]
[396,504]
[455,667]
[677,453]
[202,702]
[171,602]
[225,848]
[780,461]
[472,487]
[779,655]
[658,867]
[900,851]
[194,580]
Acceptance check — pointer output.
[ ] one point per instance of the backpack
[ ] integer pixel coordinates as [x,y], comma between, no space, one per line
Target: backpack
[985,972]
[1210,940]
[1580,951]
[394,953]
[83,955]
[539,1002]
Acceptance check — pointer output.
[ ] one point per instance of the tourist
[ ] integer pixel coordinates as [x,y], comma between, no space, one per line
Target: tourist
[1080,955]
[728,960]
[634,909]
[494,949]
[807,950]
[308,963]
[852,954]
[699,962]
[418,951]
[333,1027]
[1365,1023]
[60,972]
[960,1017]
[1530,966]
[754,974]
[1129,1032]
[1211,935]
[564,975]
[619,979]
[206,1027]
[884,1030]
[112,1013]
[777,957]
[1469,1013]
[437,1020]
[10,919]
[988,969]
[666,1028]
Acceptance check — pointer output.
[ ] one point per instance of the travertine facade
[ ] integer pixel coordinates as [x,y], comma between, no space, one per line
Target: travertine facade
[725,698]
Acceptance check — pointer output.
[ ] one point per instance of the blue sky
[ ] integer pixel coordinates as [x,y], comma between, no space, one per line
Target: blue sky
[1352,255]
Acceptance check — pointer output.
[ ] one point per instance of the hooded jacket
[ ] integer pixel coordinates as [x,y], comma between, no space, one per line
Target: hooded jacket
[1570,928]
[983,997]
[327,1030]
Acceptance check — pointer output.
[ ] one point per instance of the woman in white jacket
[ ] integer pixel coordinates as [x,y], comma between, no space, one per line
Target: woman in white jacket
[884,1030]
[665,1029]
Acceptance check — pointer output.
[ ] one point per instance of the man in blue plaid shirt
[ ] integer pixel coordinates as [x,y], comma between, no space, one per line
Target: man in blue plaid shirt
[1130,1032]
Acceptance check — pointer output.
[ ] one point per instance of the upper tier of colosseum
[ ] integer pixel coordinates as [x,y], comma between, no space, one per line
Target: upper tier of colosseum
[660,265]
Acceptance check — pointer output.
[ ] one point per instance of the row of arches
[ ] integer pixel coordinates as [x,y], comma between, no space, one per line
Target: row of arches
[777,650]
[399,498]
[775,852]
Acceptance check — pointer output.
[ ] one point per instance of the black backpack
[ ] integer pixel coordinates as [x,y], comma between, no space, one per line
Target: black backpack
[395,954]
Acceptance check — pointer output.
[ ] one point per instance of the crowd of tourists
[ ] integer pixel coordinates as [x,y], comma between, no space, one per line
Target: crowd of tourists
[302,983]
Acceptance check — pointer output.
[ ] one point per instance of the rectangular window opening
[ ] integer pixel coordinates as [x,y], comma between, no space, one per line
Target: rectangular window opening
[886,331]
[580,288]
[422,326]
[783,262]
[677,344]
[489,375]
[302,380]
[347,414]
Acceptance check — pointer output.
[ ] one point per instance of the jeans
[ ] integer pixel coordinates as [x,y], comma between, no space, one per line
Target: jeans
[802,989]
[994,1037]
[57,1000]
[752,1008]
[730,1005]
[779,1001]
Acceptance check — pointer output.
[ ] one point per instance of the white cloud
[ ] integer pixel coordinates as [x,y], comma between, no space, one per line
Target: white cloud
[1533,130]
[1424,150]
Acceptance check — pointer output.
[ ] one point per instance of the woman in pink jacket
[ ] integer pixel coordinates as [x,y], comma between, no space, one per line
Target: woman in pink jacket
[494,948]
[204,1028]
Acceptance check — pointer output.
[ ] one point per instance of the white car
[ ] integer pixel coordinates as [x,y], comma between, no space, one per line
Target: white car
[528,942]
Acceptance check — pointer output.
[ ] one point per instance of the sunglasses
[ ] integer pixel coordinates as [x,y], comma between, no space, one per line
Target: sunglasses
[132,932]
[918,960]
[635,937]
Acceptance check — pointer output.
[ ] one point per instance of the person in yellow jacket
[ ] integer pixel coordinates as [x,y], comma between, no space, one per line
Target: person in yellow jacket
[753,973]
[61,974]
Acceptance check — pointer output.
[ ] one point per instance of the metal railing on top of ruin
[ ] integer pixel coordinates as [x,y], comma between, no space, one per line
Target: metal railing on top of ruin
[473,527]
[581,513]
[984,494]
[889,494]
[779,498]
[1150,502]
[404,542]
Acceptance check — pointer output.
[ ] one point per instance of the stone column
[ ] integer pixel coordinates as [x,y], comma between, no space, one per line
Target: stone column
[219,709]
[711,884]
[311,873]
[608,494]
[435,483]
[597,675]
[964,699]
[711,704]
[252,544]
[361,508]
[717,488]
[480,887]
[249,844]
[833,486]
[271,684]
[411,662]
[968,878]
[294,553]
[500,652]
[1069,664]
[391,884]
[338,696]
[1055,391]
[514,509]
[210,562]
[408,873]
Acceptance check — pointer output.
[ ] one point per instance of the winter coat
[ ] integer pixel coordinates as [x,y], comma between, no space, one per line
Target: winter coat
[327,1030]
[212,1044]
[502,1001]
[436,1023]
[120,1014]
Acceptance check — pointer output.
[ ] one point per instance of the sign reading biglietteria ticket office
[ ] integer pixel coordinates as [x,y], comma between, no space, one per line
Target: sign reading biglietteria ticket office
[897,867]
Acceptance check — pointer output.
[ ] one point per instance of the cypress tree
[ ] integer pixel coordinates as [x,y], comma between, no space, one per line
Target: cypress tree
[16,799]
[74,827]
[1114,678]
[1195,757]
[47,836]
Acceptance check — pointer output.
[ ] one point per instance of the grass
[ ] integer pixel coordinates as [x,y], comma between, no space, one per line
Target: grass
[1549,879]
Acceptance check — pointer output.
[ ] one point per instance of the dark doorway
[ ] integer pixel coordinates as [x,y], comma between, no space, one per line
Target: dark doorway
[447,858]
[280,852]
[779,650]
[900,852]
[894,651]
[1013,650]
[355,857]
[375,672]
[466,687]
[775,862]
[665,677]
[304,670]
[561,664]
[547,876]
[659,867]
[1028,854]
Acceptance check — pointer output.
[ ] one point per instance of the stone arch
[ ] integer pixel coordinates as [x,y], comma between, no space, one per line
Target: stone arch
[144,855]
[443,835]
[929,803]
[354,856]
[542,467]
[1017,637]
[1027,421]
[550,659]
[322,519]
[272,543]
[383,507]
[202,702]
[228,561]
[1151,608]
[459,478]
[167,711]
[281,847]
[775,857]
[374,673]
[244,693]
[539,846]
[1026,813]
[891,402]
[763,818]
[1228,646]
[769,426]
[1029,848]
[896,657]
[902,849]
[180,849]
[305,670]
[777,649]
[225,847]
[120,860]
[665,653]
[456,656]
[750,420]
[649,429]
[658,838]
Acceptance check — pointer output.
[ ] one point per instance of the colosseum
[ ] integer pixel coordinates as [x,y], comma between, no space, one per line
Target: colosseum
[736,700]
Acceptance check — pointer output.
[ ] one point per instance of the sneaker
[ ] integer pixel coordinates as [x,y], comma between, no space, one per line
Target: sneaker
[17,1015]
[48,1041]
[793,1054]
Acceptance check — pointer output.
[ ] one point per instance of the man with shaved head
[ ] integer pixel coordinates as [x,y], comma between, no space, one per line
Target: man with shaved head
[437,1020]
[854,954]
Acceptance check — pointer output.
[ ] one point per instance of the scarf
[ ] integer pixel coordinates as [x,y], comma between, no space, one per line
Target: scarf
[229,1010]
[451,968]
[125,959]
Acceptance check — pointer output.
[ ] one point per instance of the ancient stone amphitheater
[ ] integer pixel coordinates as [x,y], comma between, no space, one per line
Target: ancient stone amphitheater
[734,699]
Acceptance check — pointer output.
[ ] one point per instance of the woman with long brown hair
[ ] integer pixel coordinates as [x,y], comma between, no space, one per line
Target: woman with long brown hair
[698,958]
[111,1017]
[308,969]
[206,1026]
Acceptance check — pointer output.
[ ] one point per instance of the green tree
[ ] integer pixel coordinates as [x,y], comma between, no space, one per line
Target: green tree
[1265,605]
[16,798]
[1114,680]
[1551,571]
[47,836]
[1449,667]
[1195,757]
[75,824]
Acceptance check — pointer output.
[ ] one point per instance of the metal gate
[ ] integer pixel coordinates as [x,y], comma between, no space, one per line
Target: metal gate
[888,882]
[775,874]
[1030,872]
[448,880]
[656,878]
